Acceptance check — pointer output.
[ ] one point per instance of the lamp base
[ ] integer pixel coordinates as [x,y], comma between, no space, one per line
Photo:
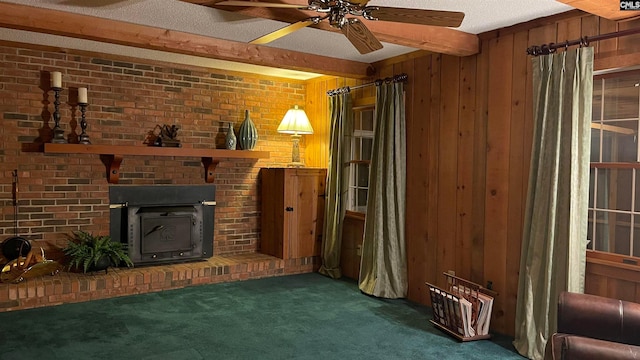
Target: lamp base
[295,165]
[295,151]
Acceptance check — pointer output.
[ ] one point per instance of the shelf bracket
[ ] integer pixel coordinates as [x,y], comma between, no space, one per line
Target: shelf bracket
[112,163]
[209,168]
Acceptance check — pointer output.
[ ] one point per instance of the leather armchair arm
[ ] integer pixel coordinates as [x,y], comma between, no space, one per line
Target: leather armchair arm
[598,317]
[582,348]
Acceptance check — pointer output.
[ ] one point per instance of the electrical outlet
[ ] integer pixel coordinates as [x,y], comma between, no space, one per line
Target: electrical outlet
[359,250]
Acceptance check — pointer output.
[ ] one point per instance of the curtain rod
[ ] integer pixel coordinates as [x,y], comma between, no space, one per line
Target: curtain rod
[378,82]
[547,49]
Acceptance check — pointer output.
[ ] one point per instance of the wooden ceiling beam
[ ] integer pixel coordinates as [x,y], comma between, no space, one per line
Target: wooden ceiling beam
[55,22]
[432,38]
[608,9]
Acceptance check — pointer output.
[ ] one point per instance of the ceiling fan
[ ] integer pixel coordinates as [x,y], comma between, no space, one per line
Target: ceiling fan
[344,15]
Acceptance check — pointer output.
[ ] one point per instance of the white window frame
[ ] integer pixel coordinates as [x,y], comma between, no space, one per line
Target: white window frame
[353,163]
[608,214]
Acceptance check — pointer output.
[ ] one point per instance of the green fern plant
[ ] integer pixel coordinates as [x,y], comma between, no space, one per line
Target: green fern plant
[85,250]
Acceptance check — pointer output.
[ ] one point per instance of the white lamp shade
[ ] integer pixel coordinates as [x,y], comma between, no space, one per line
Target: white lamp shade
[295,122]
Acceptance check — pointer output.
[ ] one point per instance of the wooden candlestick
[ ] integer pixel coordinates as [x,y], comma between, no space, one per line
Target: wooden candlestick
[58,133]
[84,138]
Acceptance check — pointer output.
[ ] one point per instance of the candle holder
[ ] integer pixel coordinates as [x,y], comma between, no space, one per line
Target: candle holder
[58,133]
[84,138]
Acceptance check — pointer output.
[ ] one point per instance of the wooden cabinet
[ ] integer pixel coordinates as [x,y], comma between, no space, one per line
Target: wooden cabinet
[292,211]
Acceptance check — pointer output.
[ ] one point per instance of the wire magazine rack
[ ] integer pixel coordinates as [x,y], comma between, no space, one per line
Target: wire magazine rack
[463,309]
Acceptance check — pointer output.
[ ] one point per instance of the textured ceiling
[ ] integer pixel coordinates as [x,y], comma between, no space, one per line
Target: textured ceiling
[481,16]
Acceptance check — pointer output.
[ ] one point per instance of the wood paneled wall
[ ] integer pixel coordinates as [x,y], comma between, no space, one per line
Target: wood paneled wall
[469,137]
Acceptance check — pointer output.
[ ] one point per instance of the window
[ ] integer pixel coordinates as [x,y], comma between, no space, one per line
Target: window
[614,189]
[361,145]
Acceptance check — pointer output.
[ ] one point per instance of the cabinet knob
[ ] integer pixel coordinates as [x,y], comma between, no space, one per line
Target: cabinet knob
[289,208]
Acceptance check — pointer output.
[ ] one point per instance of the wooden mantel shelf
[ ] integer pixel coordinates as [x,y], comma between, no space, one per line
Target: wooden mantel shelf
[112,155]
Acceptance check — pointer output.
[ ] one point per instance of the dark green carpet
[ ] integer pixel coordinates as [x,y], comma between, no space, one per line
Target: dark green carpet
[292,317]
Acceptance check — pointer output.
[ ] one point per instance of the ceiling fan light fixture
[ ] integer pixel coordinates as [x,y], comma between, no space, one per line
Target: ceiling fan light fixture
[344,14]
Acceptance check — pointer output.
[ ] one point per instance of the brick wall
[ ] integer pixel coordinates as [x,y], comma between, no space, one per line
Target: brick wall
[60,193]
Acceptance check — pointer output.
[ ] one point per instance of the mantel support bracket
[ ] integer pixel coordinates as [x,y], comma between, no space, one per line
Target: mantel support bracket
[209,168]
[112,163]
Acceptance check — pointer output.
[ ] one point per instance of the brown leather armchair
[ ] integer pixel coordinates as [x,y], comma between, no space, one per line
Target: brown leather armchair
[595,327]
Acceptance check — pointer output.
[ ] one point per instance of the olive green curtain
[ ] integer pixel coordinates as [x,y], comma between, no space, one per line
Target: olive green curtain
[383,267]
[337,186]
[555,226]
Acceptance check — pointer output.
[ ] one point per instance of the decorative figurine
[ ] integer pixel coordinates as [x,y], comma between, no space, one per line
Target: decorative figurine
[167,136]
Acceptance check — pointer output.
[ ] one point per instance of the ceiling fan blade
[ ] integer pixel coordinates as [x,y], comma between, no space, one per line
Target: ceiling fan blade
[361,38]
[260,4]
[282,32]
[92,3]
[416,16]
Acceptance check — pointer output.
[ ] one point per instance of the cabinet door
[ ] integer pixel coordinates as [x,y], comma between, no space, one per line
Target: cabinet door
[292,212]
[274,214]
[306,193]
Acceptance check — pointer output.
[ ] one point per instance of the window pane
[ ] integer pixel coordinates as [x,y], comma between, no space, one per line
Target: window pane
[613,232]
[601,241]
[614,189]
[362,200]
[636,235]
[363,175]
[592,186]
[637,191]
[621,199]
[590,231]
[367,145]
[602,190]
[595,145]
[606,147]
[353,201]
[619,94]
[367,120]
[597,99]
[356,149]
[622,234]
[358,121]
[620,141]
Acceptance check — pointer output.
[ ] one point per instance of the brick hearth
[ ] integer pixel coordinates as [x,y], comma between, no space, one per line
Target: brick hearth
[67,287]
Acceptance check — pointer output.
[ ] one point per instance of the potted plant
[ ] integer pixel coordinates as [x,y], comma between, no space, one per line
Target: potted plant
[95,252]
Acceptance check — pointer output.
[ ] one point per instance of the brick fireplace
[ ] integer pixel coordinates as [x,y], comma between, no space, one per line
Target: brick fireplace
[62,193]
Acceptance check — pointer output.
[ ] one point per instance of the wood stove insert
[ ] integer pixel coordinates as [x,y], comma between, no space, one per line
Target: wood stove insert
[163,223]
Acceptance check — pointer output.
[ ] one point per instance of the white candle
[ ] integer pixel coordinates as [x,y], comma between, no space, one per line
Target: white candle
[56,79]
[82,95]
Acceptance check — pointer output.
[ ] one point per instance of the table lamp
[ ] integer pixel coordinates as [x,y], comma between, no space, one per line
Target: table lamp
[296,123]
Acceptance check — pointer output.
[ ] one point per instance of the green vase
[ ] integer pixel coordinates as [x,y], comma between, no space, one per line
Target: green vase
[231,139]
[248,134]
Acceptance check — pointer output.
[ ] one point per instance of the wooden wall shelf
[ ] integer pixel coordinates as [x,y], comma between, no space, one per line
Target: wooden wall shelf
[112,155]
